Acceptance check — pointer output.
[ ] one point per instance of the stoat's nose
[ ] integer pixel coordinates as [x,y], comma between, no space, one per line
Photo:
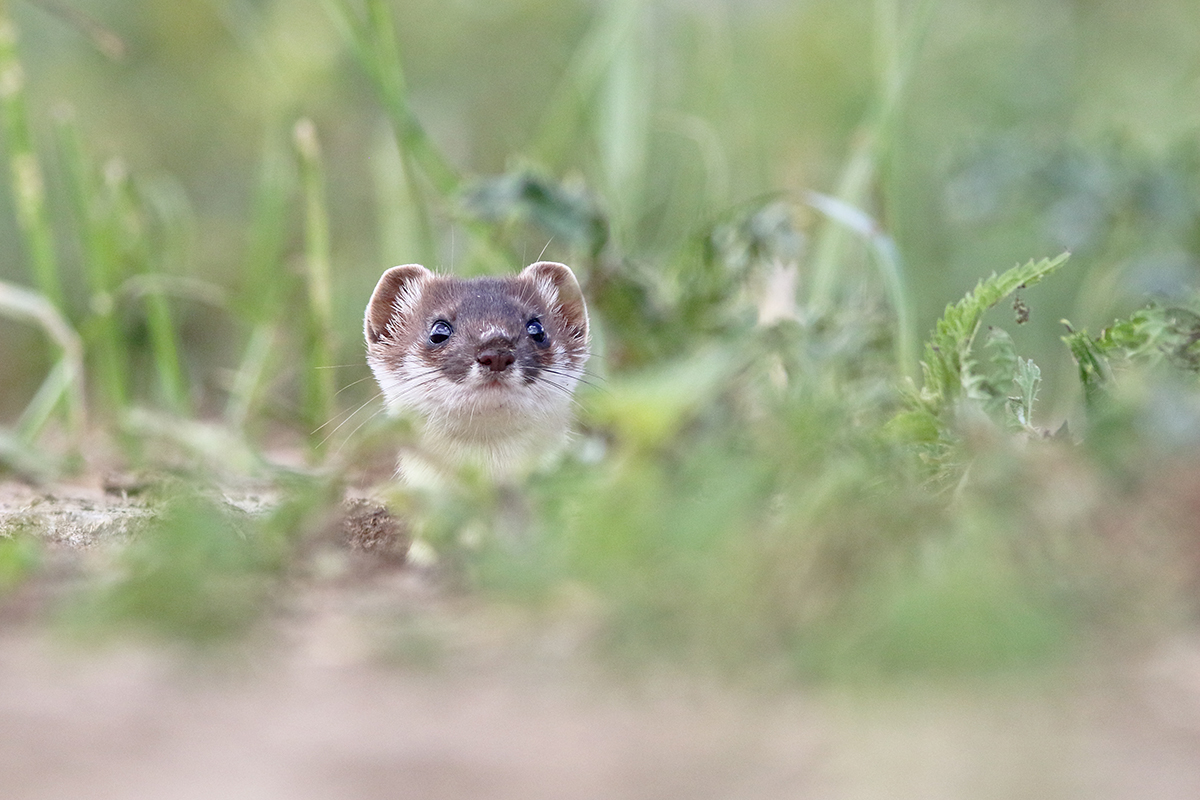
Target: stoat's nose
[496,354]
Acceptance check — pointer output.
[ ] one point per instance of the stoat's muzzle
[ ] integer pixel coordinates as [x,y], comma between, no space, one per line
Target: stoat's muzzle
[496,354]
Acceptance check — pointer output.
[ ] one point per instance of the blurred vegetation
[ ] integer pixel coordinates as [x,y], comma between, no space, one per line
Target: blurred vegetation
[769,204]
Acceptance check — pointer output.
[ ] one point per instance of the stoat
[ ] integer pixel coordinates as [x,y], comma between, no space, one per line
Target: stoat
[488,366]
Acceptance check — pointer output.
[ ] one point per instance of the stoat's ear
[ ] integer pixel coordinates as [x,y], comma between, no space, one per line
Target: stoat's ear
[396,295]
[557,284]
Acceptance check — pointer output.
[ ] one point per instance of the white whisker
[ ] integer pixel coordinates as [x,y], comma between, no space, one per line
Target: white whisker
[358,428]
[349,417]
[353,384]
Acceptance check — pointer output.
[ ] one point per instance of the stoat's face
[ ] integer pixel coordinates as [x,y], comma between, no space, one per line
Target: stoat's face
[483,359]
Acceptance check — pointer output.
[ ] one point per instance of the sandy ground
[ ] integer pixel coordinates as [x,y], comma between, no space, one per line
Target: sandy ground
[321,707]
[132,724]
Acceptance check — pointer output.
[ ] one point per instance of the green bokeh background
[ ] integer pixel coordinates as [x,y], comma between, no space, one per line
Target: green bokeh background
[1028,127]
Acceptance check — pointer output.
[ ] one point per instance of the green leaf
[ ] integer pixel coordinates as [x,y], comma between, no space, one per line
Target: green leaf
[1028,378]
[1093,367]
[949,373]
[1148,337]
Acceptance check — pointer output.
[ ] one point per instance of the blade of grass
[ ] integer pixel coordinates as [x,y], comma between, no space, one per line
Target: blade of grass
[41,407]
[149,284]
[318,382]
[380,60]
[265,284]
[379,55]
[165,347]
[31,462]
[402,220]
[898,46]
[100,261]
[66,378]
[243,392]
[211,447]
[103,38]
[373,41]
[132,208]
[623,122]
[887,259]
[583,80]
[388,72]
[606,94]
[28,184]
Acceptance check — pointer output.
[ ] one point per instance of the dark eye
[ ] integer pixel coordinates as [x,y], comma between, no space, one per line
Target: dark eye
[535,331]
[440,332]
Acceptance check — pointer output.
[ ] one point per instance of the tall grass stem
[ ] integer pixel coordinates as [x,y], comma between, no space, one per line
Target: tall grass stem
[891,270]
[266,280]
[25,171]
[100,259]
[432,180]
[131,213]
[318,382]
[373,41]
[66,378]
[898,45]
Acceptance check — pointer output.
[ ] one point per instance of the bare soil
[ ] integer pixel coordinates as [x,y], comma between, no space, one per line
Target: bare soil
[350,691]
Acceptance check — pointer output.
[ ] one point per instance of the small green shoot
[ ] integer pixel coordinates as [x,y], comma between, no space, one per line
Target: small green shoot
[20,556]
[66,378]
[1028,379]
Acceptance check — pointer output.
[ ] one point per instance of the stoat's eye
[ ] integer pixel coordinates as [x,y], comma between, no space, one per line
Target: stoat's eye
[535,331]
[440,332]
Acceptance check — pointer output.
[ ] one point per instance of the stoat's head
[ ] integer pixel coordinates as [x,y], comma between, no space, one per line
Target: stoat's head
[479,359]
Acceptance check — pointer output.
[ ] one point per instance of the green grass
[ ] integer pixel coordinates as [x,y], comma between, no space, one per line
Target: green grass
[25,170]
[759,480]
[318,322]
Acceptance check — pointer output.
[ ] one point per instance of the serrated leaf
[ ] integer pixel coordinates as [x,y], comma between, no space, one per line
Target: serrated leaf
[946,366]
[1002,356]
[1028,378]
[1093,367]
[1153,333]
[1147,337]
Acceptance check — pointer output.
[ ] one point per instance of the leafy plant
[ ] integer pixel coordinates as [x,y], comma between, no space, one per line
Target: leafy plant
[953,374]
[949,369]
[1150,336]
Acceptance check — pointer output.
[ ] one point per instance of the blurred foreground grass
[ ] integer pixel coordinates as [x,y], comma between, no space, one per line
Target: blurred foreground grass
[764,473]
